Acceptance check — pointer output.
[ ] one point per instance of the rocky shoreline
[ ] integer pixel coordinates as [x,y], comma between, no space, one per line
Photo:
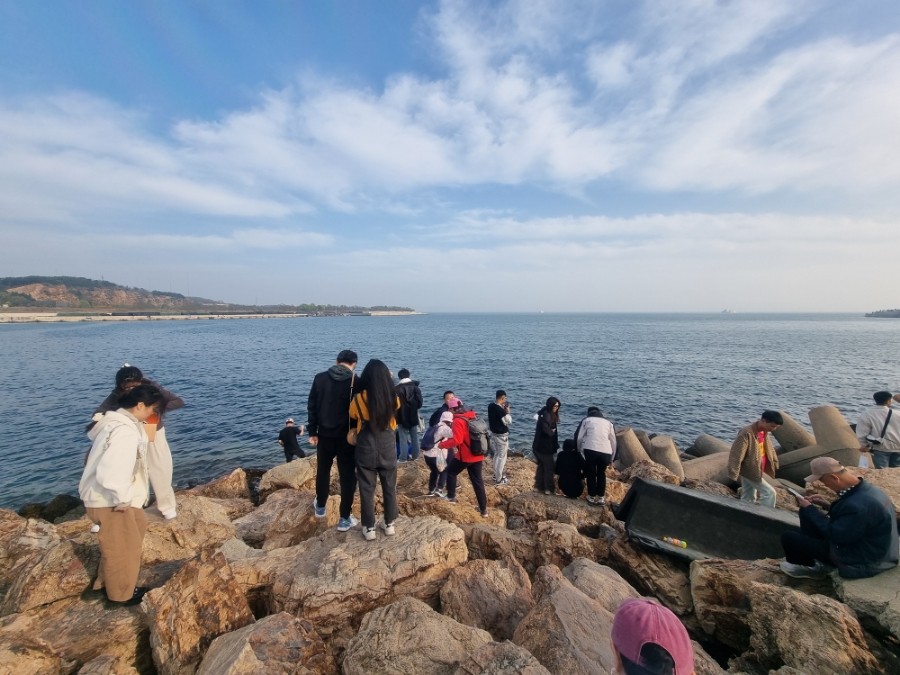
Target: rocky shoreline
[248,581]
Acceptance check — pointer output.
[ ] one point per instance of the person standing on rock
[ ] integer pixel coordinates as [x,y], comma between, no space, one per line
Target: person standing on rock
[596,440]
[879,433]
[465,459]
[115,487]
[436,415]
[545,445]
[329,423]
[648,639]
[159,455]
[437,457]
[753,457]
[374,410]
[408,419]
[499,420]
[570,469]
[288,438]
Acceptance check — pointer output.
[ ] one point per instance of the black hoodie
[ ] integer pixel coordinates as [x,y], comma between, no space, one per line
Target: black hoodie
[328,407]
[410,402]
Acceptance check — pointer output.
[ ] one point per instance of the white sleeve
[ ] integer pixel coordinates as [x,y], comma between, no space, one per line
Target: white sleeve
[507,419]
[864,427]
[612,438]
[115,470]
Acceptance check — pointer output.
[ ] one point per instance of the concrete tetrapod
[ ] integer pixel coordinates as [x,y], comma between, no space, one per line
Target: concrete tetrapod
[791,435]
[663,451]
[794,466]
[706,445]
[708,468]
[831,429]
[628,448]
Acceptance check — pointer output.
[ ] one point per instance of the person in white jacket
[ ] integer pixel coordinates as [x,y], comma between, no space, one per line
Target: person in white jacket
[595,438]
[115,487]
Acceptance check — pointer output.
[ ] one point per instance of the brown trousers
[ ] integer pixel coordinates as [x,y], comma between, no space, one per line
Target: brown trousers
[121,541]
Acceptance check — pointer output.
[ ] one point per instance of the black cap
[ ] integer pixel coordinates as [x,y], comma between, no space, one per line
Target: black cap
[347,356]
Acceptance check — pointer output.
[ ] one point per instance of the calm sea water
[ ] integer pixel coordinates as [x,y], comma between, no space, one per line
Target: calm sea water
[676,374]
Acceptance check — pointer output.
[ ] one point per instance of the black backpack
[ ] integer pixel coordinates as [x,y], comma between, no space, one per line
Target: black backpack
[427,442]
[478,437]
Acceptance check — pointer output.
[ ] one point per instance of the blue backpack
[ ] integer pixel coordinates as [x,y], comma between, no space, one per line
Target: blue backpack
[427,442]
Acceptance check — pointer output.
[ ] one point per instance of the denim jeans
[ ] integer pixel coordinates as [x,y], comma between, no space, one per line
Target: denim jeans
[884,460]
[410,436]
[750,489]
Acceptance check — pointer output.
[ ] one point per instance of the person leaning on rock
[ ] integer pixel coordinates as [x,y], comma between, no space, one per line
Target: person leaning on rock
[648,639]
[879,432]
[858,535]
[329,401]
[596,440]
[115,487]
[753,457]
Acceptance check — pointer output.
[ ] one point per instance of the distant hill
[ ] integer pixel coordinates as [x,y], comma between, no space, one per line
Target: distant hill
[82,293]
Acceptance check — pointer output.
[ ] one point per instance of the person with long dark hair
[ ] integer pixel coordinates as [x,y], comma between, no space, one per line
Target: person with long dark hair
[374,409]
[115,487]
[545,445]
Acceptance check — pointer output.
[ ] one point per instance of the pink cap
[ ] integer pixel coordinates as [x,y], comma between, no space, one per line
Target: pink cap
[638,622]
[454,403]
[822,465]
[446,416]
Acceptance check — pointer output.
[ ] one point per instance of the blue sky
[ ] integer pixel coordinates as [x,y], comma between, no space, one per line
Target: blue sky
[670,155]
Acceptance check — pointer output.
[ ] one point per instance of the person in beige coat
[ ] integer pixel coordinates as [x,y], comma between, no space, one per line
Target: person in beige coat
[752,456]
[115,487]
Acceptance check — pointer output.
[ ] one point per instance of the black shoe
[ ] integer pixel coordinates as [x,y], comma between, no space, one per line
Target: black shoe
[136,597]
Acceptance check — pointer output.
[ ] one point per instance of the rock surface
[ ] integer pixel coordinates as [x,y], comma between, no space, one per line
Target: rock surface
[560,543]
[235,549]
[501,658]
[653,574]
[276,645]
[704,664]
[564,630]
[409,638]
[650,470]
[296,520]
[199,603]
[493,543]
[600,583]
[234,508]
[297,475]
[462,513]
[21,538]
[107,664]
[535,508]
[494,595]
[232,486]
[201,525]
[876,600]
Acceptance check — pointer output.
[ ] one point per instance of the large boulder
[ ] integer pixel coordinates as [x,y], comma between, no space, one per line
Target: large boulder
[600,583]
[566,631]
[407,637]
[236,507]
[791,435]
[664,451]
[653,574]
[876,600]
[297,475]
[501,658]
[465,512]
[20,539]
[650,470]
[704,664]
[494,595]
[59,506]
[201,525]
[232,486]
[276,645]
[560,543]
[706,468]
[253,527]
[236,549]
[490,542]
[106,664]
[534,508]
[296,519]
[199,603]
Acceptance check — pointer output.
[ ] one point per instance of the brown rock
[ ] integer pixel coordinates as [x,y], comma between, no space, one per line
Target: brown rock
[199,603]
[31,510]
[276,645]
[107,664]
[295,520]
[158,575]
[704,664]
[232,486]
[650,470]
[616,491]
[535,508]
[201,525]
[67,529]
[501,658]
[567,632]
[253,527]
[235,508]
[490,542]
[21,660]
[463,513]
[235,549]
[409,638]
[605,539]
[494,595]
[653,574]
[560,543]
[20,539]
[600,583]
[711,488]
[297,475]
[59,506]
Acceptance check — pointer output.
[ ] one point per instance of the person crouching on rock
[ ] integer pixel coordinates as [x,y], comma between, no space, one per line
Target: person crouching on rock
[437,457]
[570,469]
[545,445]
[115,486]
[596,440]
[648,639]
[465,459]
[374,409]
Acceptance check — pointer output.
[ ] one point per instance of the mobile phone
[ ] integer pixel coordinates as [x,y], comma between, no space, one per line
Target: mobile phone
[796,494]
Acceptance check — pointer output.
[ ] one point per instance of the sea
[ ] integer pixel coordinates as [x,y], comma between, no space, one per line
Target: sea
[676,374]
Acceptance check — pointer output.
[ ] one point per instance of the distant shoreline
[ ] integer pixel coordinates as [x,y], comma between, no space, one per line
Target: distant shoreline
[55,317]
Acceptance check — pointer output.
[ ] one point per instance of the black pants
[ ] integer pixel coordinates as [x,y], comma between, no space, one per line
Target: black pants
[329,450]
[545,473]
[806,547]
[595,464]
[437,479]
[290,453]
[455,467]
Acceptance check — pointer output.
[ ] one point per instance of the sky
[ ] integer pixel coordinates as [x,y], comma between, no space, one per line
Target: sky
[649,155]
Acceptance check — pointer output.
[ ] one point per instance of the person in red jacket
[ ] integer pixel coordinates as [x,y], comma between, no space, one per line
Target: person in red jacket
[464,459]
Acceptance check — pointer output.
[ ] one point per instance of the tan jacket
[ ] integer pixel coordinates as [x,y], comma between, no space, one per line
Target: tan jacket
[745,459]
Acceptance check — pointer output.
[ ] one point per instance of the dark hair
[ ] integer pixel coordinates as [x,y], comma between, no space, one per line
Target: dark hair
[402,373]
[381,399]
[655,660]
[147,394]
[568,444]
[594,410]
[554,415]
[500,394]
[882,397]
[449,391]
[128,374]
[772,416]
[347,356]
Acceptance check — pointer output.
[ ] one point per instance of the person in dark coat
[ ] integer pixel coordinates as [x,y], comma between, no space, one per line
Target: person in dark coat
[545,445]
[435,418]
[408,417]
[570,469]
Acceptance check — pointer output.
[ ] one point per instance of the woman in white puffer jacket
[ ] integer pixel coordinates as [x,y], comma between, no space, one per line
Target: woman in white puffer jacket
[115,486]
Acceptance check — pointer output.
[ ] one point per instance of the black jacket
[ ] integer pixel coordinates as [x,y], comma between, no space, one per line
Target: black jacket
[496,413]
[111,402]
[328,407]
[546,439]
[570,469]
[436,415]
[861,528]
[410,402]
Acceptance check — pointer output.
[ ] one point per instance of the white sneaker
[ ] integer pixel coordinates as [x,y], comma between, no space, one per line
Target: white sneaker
[368,533]
[95,528]
[345,524]
[817,571]
[388,528]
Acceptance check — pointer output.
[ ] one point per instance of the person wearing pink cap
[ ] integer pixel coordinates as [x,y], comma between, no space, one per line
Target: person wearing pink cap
[648,639]
[465,459]
[858,535]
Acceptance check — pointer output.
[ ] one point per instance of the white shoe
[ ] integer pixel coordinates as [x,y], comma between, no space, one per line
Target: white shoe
[388,528]
[368,533]
[817,571]
[168,515]
[345,524]
[95,528]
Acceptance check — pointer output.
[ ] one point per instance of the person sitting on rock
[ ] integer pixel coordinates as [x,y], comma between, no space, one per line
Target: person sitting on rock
[753,457]
[648,639]
[858,535]
[570,469]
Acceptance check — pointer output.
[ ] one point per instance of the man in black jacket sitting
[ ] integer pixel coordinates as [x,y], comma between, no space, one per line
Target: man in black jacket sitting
[858,535]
